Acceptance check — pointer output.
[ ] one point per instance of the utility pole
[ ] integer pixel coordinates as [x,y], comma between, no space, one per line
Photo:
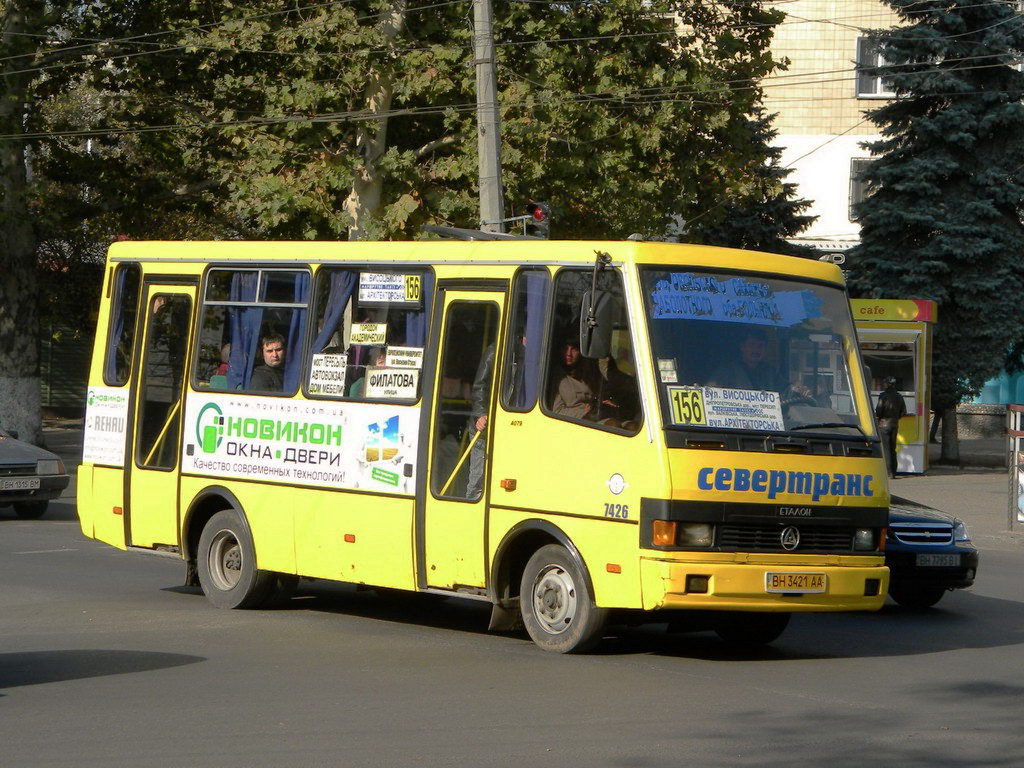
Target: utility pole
[488,127]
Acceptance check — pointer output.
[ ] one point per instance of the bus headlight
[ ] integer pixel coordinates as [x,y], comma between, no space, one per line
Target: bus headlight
[864,540]
[696,534]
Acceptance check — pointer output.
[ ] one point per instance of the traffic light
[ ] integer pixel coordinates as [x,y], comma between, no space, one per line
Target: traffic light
[539,223]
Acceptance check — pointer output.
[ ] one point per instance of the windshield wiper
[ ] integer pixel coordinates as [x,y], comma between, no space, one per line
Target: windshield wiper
[827,424]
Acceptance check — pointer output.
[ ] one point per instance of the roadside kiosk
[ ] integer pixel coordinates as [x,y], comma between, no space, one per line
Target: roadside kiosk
[895,337]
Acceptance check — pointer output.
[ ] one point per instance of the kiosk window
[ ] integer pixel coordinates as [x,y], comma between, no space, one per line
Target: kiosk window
[525,353]
[599,392]
[370,330]
[885,359]
[250,338]
[124,310]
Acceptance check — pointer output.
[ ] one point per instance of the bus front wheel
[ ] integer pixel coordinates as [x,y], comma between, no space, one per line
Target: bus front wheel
[226,562]
[558,609]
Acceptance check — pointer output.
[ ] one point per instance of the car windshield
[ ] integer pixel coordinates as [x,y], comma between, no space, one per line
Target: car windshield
[754,353]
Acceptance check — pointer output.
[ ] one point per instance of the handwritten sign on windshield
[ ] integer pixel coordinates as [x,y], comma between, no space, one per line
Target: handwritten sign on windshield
[692,296]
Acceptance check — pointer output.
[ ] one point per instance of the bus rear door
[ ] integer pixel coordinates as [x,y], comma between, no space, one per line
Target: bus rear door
[152,514]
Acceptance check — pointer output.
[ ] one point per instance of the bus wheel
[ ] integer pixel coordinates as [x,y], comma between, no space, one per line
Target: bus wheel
[750,629]
[227,564]
[558,609]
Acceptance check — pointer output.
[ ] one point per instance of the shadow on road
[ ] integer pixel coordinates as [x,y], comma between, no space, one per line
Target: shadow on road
[963,620]
[59,510]
[35,667]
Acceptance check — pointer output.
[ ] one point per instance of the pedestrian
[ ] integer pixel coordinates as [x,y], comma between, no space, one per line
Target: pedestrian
[890,409]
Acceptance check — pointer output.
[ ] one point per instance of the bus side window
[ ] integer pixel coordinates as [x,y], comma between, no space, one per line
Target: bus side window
[124,312]
[250,338]
[370,331]
[598,392]
[525,354]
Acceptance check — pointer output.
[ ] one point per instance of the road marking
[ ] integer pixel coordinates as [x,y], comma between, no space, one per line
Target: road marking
[43,551]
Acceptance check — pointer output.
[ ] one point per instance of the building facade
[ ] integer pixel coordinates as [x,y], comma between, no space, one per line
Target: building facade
[820,103]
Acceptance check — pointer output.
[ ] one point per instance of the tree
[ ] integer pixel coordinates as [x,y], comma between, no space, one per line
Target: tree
[358,118]
[943,220]
[22,24]
[765,213]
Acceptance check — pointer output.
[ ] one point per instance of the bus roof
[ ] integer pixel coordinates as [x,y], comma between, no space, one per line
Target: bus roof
[435,252]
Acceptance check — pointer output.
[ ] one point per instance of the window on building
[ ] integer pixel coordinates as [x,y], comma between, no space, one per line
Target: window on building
[859,188]
[871,86]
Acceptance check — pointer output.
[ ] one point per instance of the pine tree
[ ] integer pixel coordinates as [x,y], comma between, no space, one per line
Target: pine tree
[765,213]
[943,220]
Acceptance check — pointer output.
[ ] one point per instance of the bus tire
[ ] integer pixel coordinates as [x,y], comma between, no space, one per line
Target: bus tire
[226,562]
[558,610]
[750,630]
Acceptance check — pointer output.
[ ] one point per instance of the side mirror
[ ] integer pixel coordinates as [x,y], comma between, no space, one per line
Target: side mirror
[596,324]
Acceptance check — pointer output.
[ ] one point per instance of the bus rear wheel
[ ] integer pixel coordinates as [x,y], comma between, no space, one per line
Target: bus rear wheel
[558,610]
[226,562]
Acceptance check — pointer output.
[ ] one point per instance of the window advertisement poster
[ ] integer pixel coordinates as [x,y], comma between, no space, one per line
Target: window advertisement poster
[377,289]
[369,333]
[357,446]
[727,408]
[392,383]
[405,357]
[327,374]
[106,423]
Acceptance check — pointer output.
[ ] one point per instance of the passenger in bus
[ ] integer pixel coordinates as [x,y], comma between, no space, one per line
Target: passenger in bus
[269,377]
[572,396]
[481,397]
[750,369]
[616,393]
[375,358]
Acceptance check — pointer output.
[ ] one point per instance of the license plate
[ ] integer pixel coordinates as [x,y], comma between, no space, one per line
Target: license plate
[938,561]
[19,484]
[802,583]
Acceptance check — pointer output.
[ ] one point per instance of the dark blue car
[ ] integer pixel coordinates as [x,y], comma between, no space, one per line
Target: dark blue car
[928,552]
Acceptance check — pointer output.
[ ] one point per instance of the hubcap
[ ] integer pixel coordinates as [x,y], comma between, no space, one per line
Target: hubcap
[225,560]
[554,599]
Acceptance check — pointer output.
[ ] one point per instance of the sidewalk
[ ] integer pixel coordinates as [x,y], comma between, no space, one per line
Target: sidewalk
[978,454]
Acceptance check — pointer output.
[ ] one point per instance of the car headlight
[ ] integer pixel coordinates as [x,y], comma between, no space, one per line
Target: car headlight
[696,534]
[960,532]
[49,467]
[865,539]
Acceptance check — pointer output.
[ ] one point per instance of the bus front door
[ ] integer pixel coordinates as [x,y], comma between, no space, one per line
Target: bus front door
[152,515]
[453,523]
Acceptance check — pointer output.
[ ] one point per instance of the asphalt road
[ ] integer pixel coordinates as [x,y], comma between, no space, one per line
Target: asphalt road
[106,661]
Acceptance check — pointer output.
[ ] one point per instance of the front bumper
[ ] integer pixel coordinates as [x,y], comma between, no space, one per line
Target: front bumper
[736,586]
[905,570]
[50,487]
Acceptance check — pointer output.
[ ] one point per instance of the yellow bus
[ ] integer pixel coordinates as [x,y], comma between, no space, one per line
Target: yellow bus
[572,431]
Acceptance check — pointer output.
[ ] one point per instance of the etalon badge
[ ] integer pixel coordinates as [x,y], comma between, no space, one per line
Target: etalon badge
[790,538]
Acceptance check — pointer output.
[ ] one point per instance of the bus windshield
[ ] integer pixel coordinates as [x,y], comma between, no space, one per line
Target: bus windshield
[748,352]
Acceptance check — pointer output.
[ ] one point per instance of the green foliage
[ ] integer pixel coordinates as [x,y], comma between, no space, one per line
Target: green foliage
[943,221]
[624,114]
[764,212]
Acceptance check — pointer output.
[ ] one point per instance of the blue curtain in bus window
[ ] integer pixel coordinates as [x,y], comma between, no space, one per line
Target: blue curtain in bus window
[293,361]
[118,328]
[418,322]
[338,295]
[537,286]
[245,329]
